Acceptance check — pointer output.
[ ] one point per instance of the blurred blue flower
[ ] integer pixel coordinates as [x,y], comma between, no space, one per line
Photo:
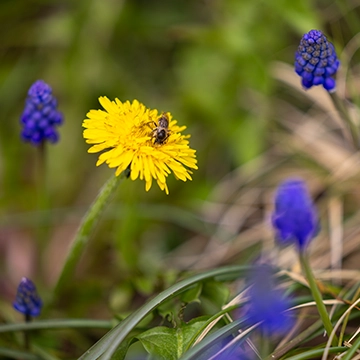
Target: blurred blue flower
[235,352]
[27,299]
[40,116]
[295,217]
[316,61]
[267,303]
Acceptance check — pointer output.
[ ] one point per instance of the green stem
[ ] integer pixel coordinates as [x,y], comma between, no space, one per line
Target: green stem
[41,170]
[317,297]
[84,232]
[26,334]
[42,195]
[341,108]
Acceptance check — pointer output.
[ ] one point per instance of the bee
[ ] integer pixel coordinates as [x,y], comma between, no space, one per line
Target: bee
[161,132]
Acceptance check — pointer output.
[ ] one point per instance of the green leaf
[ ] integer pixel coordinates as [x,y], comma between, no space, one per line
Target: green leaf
[186,333]
[212,339]
[192,295]
[160,342]
[207,323]
[217,292]
[144,285]
[169,343]
[167,311]
[121,351]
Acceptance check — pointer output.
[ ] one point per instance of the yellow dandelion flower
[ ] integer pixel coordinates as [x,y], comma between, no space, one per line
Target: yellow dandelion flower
[148,143]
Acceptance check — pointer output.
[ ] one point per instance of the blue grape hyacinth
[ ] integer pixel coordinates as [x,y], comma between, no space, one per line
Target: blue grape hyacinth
[295,217]
[40,116]
[268,304]
[316,61]
[27,300]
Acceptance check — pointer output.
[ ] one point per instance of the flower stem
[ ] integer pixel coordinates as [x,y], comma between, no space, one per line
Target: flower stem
[26,333]
[317,297]
[85,231]
[42,194]
[265,347]
[341,108]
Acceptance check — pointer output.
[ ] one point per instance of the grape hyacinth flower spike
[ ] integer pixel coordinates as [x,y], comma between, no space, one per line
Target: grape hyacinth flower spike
[295,217]
[40,116]
[27,299]
[316,61]
[268,304]
[295,220]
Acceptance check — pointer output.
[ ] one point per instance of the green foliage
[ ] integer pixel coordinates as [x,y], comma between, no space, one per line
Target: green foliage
[169,344]
[216,292]
[160,275]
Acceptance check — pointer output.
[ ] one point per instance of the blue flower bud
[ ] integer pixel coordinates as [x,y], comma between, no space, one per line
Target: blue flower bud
[27,300]
[267,303]
[295,217]
[40,116]
[316,61]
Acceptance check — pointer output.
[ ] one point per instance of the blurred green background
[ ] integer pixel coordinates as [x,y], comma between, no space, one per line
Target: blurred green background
[210,63]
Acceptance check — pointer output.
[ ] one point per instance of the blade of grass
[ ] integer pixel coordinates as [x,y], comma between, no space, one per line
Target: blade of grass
[15,354]
[354,348]
[278,353]
[241,336]
[313,354]
[57,324]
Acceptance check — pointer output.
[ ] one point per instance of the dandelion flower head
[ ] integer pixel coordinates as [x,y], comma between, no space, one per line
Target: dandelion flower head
[134,137]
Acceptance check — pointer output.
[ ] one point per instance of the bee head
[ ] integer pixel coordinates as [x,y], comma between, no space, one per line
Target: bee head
[163,121]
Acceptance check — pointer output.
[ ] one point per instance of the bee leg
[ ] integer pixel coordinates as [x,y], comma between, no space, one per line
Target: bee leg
[127,171]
